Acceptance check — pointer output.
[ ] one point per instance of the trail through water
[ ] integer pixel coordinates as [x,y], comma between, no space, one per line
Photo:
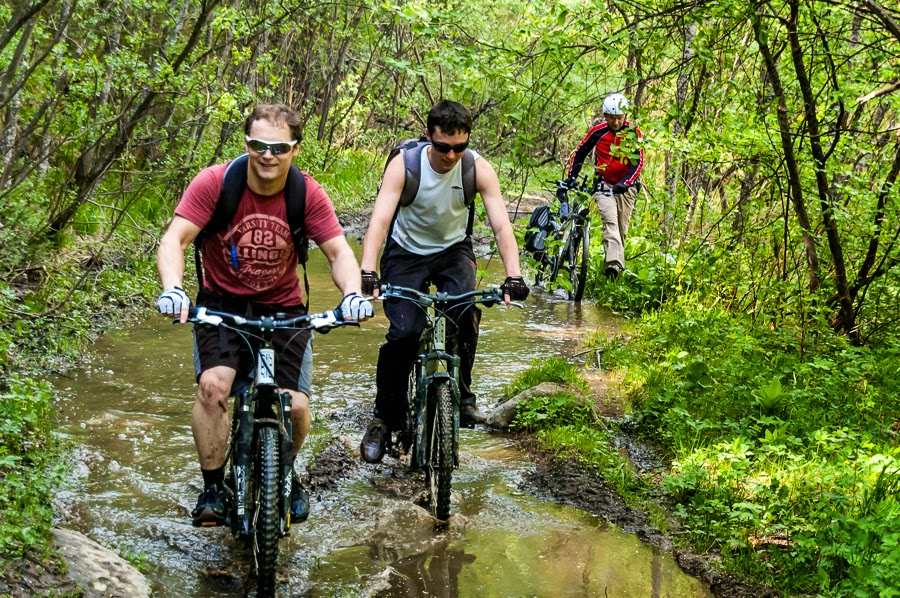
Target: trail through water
[135,477]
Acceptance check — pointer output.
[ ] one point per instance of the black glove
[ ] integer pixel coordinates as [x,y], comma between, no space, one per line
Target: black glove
[370,281]
[619,188]
[515,287]
[562,188]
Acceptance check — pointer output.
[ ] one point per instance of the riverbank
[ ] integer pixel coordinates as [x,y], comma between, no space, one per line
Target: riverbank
[754,427]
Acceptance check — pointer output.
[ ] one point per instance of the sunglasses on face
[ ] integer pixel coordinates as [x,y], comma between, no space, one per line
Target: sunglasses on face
[276,147]
[445,148]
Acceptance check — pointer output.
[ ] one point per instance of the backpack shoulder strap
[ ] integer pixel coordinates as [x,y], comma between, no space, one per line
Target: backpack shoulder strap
[470,188]
[295,200]
[295,197]
[412,163]
[233,183]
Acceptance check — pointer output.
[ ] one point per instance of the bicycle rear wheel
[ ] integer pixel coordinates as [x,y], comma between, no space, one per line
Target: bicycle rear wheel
[578,259]
[439,472]
[266,517]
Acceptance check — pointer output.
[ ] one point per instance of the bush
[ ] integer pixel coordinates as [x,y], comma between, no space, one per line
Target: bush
[784,455]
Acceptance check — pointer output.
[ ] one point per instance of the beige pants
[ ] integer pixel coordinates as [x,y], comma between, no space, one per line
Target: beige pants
[615,211]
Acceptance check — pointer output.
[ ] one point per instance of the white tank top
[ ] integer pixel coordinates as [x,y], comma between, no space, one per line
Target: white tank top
[438,216]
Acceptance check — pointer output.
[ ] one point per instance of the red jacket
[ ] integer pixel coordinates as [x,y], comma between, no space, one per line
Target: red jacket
[611,165]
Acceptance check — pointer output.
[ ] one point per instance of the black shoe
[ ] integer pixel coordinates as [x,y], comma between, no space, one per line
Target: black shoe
[612,272]
[299,501]
[469,415]
[374,442]
[210,509]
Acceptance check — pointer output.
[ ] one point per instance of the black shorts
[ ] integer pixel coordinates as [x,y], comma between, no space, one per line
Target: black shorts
[217,346]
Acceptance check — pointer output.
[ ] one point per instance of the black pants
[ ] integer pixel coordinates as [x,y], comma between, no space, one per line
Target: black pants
[451,271]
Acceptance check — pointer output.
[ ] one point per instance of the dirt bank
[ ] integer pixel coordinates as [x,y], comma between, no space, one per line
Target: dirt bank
[569,484]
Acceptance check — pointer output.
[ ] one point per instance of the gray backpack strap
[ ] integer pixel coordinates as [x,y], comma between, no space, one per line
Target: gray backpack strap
[412,162]
[468,178]
[469,188]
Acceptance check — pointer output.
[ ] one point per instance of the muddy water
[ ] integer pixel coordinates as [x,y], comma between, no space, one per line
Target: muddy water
[135,478]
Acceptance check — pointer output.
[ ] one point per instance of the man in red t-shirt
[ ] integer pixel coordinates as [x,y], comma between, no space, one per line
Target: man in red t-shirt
[251,267]
[619,158]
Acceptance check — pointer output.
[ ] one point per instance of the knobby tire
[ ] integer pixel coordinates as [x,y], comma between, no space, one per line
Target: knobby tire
[409,429]
[578,257]
[440,467]
[265,543]
[561,254]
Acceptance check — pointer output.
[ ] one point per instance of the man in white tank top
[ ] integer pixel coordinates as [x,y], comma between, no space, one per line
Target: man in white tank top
[427,242]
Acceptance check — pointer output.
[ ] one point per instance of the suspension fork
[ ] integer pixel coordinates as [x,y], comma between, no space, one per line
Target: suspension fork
[243,438]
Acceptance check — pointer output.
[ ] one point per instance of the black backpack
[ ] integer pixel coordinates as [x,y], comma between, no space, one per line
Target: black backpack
[234,181]
[412,162]
[540,226]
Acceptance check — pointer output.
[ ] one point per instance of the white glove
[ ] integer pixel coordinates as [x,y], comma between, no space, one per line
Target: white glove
[173,301]
[356,307]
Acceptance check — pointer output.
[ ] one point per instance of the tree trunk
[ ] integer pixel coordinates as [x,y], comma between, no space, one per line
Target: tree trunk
[795,189]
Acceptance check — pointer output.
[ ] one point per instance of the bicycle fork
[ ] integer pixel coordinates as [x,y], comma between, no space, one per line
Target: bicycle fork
[280,415]
[426,374]
[243,444]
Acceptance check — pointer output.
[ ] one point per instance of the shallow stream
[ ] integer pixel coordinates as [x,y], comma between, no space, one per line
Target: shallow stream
[136,478]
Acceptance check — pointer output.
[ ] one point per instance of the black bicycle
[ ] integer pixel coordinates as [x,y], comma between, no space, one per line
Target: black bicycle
[566,237]
[431,432]
[259,460]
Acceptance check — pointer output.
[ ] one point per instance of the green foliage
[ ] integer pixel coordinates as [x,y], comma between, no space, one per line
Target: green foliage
[567,426]
[784,453]
[29,465]
[552,369]
[555,409]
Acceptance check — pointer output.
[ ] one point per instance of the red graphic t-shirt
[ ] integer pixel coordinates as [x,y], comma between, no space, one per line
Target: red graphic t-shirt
[266,269]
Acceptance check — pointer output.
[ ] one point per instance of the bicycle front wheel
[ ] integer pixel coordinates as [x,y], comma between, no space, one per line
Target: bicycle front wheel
[266,519]
[579,257]
[439,471]
[559,259]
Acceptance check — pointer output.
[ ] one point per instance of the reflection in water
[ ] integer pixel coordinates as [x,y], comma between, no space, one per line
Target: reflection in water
[128,410]
[435,573]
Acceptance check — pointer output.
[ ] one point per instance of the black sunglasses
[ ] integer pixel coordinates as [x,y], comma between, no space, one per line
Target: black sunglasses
[276,147]
[445,148]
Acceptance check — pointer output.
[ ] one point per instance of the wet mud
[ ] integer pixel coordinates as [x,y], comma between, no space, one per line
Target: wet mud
[567,483]
[34,576]
[552,479]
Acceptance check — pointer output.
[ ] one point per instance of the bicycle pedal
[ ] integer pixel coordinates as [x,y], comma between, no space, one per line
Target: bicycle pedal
[210,522]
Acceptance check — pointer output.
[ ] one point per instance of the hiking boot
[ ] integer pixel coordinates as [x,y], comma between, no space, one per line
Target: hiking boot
[374,442]
[299,501]
[612,272]
[210,509]
[469,415]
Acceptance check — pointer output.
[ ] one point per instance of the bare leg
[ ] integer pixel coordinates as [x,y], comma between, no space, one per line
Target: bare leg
[209,416]
[301,418]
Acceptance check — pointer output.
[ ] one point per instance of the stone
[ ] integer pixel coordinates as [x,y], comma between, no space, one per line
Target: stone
[98,571]
[502,416]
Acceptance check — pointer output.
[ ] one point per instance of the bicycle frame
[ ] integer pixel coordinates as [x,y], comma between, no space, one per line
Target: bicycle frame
[260,450]
[572,239]
[434,363]
[431,435]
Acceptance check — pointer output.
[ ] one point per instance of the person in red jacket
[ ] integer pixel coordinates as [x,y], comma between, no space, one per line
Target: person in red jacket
[618,156]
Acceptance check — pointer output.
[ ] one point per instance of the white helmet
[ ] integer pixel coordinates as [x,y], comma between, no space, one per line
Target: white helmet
[615,103]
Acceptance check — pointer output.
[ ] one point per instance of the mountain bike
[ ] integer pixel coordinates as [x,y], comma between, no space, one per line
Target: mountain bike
[431,430]
[568,237]
[259,460]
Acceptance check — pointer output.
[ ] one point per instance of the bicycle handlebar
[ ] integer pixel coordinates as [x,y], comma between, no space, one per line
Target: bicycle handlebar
[583,186]
[322,322]
[487,297]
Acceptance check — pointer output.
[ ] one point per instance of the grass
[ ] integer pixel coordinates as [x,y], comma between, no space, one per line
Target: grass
[784,453]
